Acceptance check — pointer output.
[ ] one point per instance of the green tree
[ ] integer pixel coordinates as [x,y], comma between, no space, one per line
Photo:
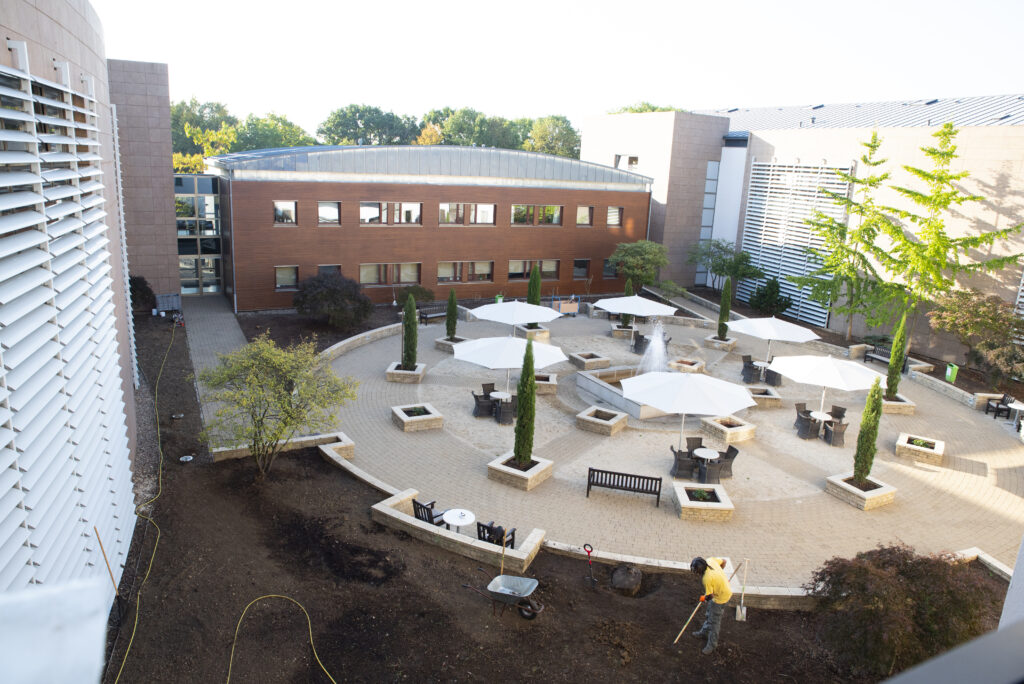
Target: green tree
[643,107]
[533,290]
[896,357]
[417,292]
[205,116]
[333,297]
[768,300]
[270,131]
[712,255]
[639,261]
[554,135]
[437,117]
[470,127]
[975,319]
[451,316]
[265,394]
[430,135]
[188,163]
[213,142]
[371,125]
[526,410]
[867,438]
[409,335]
[627,320]
[723,310]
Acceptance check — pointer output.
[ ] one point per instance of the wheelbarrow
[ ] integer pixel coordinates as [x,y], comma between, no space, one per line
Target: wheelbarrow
[509,590]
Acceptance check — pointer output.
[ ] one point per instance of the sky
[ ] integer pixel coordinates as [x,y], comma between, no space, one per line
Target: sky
[305,58]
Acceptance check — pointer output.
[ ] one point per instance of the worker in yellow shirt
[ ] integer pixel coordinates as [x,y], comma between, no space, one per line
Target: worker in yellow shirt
[716,588]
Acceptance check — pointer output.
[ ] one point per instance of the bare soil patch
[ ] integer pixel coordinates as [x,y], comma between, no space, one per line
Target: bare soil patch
[288,328]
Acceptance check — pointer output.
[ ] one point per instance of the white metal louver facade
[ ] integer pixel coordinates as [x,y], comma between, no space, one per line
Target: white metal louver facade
[64,459]
[780,198]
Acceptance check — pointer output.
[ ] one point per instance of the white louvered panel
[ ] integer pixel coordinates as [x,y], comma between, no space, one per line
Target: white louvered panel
[18,241]
[70,548]
[100,286]
[38,404]
[56,139]
[64,226]
[112,404]
[89,171]
[40,478]
[64,279]
[71,294]
[56,436]
[7,458]
[93,215]
[93,229]
[54,530]
[10,201]
[10,522]
[8,479]
[52,175]
[41,362]
[5,415]
[85,374]
[22,283]
[89,156]
[105,357]
[10,313]
[99,300]
[6,436]
[99,272]
[80,405]
[14,568]
[11,135]
[94,260]
[66,261]
[90,186]
[9,179]
[76,356]
[41,502]
[62,209]
[87,142]
[105,310]
[57,157]
[55,121]
[22,219]
[87,438]
[59,192]
[34,429]
[17,95]
[50,101]
[48,385]
[17,157]
[106,337]
[70,312]
[72,329]
[24,262]
[97,243]
[90,201]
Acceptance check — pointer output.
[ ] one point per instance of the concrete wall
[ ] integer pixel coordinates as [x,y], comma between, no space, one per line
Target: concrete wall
[140,92]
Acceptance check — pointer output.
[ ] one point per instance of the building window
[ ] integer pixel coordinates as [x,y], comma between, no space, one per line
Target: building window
[185,206]
[372,212]
[184,185]
[448,271]
[285,213]
[549,269]
[614,216]
[186,228]
[580,268]
[406,274]
[482,214]
[550,215]
[328,269]
[188,275]
[372,274]
[328,212]
[206,185]
[286,277]
[518,269]
[407,212]
[450,213]
[584,216]
[609,271]
[209,245]
[522,214]
[480,270]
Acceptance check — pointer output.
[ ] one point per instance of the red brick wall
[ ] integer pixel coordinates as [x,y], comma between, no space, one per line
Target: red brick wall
[257,245]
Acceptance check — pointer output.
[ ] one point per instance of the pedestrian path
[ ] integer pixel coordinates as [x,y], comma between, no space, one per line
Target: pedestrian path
[212,329]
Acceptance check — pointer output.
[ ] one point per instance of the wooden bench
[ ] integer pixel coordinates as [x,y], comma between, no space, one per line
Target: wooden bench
[425,313]
[882,354]
[641,484]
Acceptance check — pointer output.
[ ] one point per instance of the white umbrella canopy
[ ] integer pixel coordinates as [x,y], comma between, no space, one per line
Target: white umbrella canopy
[686,393]
[826,371]
[635,306]
[507,353]
[772,329]
[515,313]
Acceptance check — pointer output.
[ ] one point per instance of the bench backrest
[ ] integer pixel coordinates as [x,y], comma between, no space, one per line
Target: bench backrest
[644,484]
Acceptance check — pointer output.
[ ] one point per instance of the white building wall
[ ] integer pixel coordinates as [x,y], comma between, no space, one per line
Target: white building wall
[731,173]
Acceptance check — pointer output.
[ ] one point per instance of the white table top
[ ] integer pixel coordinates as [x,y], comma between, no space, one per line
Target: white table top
[822,416]
[706,453]
[501,396]
[459,516]
[1017,405]
[761,364]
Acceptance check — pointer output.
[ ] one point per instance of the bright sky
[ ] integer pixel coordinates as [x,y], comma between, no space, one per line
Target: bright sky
[305,58]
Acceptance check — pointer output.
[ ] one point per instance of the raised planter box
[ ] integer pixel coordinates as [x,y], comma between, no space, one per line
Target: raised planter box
[417,417]
[837,486]
[718,508]
[931,451]
[624,331]
[601,420]
[766,397]
[540,333]
[520,479]
[445,345]
[902,406]
[727,429]
[589,360]
[546,383]
[726,345]
[394,374]
[687,365]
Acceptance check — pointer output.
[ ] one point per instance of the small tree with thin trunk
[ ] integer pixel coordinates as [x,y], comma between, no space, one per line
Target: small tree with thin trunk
[526,411]
[451,317]
[409,340]
[533,290]
[265,394]
[896,357]
[627,319]
[723,310]
[867,438]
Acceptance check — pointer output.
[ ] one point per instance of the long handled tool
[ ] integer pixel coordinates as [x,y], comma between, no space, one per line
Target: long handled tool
[591,580]
[741,610]
[699,602]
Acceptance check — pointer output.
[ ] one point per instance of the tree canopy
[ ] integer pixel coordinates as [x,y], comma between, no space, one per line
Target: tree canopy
[369,125]
[272,130]
[204,116]
[643,107]
[639,261]
[553,135]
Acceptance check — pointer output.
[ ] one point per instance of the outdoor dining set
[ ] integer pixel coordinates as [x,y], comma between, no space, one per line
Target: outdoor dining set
[501,405]
[700,463]
[488,532]
[809,424]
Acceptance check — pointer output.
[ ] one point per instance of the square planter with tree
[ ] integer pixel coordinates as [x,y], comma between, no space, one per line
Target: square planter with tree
[857,488]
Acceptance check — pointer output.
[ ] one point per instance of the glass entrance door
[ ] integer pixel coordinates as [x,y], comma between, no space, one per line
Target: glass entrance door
[199,275]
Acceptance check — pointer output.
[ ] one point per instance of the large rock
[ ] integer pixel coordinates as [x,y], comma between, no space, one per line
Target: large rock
[626,579]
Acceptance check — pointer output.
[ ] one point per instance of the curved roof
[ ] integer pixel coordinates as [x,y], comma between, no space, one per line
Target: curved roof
[423,160]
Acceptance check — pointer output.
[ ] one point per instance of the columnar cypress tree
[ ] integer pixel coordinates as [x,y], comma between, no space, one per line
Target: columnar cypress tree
[409,335]
[723,310]
[533,290]
[526,412]
[627,319]
[867,438]
[899,352]
[451,317]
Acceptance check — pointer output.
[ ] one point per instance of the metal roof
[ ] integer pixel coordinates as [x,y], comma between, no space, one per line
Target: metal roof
[425,160]
[988,110]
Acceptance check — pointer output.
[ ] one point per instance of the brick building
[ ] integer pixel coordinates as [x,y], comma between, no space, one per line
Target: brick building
[475,219]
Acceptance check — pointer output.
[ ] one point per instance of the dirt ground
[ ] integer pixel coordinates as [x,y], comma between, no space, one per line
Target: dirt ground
[287,328]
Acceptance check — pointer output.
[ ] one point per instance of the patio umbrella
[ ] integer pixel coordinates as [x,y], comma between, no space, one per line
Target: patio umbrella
[772,329]
[686,393]
[507,353]
[515,313]
[635,306]
[827,372]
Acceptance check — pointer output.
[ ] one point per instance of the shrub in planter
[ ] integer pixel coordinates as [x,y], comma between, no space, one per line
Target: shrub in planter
[526,412]
[867,437]
[451,316]
[899,352]
[723,310]
[533,291]
[409,335]
[627,319]
[889,608]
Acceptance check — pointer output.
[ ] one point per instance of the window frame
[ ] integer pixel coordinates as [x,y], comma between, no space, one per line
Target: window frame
[471,215]
[295,209]
[457,271]
[542,215]
[470,271]
[558,265]
[586,273]
[531,215]
[397,217]
[527,266]
[320,221]
[395,268]
[286,288]
[320,269]
[604,270]
[382,213]
[382,274]
[608,217]
[460,214]
[590,220]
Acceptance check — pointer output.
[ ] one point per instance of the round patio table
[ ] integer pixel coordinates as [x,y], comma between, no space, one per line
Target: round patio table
[822,416]
[458,516]
[501,396]
[706,453]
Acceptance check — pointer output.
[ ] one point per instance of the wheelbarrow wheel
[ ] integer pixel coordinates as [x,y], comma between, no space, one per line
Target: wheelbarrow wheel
[528,609]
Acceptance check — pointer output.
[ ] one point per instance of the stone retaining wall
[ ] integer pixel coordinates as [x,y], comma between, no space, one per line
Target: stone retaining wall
[345,346]
[226,453]
[944,388]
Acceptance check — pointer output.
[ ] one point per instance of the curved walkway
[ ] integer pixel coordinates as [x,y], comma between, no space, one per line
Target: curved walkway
[784,522]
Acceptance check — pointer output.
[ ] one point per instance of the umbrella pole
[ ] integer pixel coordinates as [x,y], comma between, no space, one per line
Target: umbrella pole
[822,407]
[769,357]
[508,374]
[682,422]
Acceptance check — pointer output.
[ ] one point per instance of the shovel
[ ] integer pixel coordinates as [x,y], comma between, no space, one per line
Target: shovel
[741,610]
[591,580]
